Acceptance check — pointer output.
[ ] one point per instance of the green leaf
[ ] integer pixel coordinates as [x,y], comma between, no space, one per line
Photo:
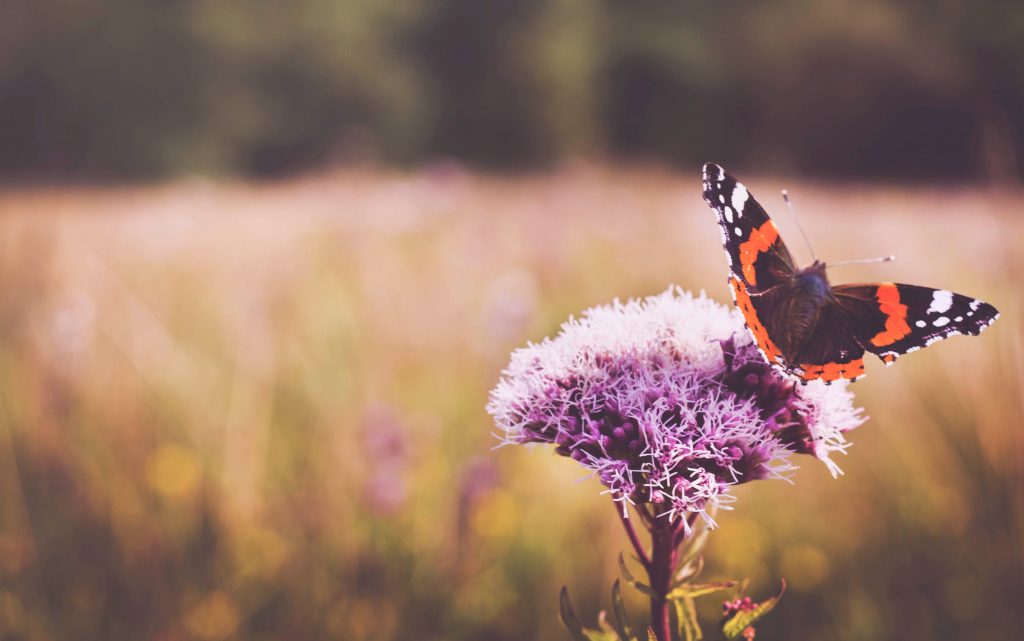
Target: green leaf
[568,616]
[693,547]
[606,633]
[734,627]
[744,586]
[686,616]
[692,591]
[688,571]
[619,619]
[628,576]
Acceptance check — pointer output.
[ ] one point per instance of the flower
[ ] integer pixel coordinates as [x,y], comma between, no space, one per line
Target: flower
[386,444]
[668,402]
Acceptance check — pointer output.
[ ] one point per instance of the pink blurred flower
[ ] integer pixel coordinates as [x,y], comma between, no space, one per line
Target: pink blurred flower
[386,443]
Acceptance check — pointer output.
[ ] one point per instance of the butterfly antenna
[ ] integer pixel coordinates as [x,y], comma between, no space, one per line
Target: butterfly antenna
[865,261]
[792,212]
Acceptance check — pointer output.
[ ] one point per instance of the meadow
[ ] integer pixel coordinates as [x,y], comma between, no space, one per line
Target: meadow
[254,411]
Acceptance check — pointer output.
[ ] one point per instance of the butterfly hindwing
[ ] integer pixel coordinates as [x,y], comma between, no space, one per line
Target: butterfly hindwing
[892,319]
[756,253]
[832,351]
[828,350]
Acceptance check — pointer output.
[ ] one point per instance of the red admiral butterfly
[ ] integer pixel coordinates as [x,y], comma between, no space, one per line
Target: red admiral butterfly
[809,328]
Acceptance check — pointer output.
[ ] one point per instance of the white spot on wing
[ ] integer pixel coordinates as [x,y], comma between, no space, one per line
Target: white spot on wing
[941,321]
[725,244]
[920,323]
[739,198]
[739,231]
[727,212]
[942,300]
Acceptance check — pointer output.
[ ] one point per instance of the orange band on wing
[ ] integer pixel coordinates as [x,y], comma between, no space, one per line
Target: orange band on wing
[754,324]
[896,327]
[761,238]
[833,371]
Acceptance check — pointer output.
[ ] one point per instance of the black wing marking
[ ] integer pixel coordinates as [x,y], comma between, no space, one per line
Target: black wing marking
[756,253]
[891,319]
[832,351]
[829,352]
[757,310]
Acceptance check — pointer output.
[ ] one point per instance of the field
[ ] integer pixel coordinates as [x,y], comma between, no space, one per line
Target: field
[256,411]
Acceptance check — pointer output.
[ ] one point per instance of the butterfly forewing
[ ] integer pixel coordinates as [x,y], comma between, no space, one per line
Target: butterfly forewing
[758,316]
[892,319]
[756,253]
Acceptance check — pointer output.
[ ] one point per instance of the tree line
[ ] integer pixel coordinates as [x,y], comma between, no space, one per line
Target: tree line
[116,89]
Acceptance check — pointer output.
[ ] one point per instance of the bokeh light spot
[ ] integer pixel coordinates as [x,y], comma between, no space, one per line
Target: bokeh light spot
[174,472]
[804,566]
[496,516]
[213,618]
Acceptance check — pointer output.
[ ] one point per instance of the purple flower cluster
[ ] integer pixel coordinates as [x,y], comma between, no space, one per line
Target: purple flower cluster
[386,443]
[668,402]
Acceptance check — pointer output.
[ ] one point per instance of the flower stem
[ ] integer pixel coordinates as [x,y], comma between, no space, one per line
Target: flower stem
[663,561]
[633,538]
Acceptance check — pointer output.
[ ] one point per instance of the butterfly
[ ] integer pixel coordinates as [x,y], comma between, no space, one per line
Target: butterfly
[805,326]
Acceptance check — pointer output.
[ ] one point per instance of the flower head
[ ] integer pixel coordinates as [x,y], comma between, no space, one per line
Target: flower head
[668,402]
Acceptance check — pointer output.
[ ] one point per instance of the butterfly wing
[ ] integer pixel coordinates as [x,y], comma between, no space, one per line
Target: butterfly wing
[756,253]
[760,317]
[891,319]
[829,350]
[886,319]
[757,257]
[832,351]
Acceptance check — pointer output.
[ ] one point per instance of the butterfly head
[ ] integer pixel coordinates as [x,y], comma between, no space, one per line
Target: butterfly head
[813,281]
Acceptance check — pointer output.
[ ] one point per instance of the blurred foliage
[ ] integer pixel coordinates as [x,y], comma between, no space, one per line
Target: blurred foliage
[218,422]
[876,88]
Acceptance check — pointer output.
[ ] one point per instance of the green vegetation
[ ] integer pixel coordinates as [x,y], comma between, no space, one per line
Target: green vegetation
[883,89]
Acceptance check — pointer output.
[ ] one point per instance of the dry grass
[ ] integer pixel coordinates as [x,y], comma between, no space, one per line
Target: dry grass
[235,411]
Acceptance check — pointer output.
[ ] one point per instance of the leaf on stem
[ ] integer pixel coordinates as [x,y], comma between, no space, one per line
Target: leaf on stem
[693,547]
[628,576]
[689,571]
[745,617]
[744,586]
[694,590]
[686,616]
[568,616]
[607,631]
[619,619]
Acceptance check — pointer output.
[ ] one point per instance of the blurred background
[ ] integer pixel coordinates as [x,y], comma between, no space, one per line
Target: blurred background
[117,89]
[261,263]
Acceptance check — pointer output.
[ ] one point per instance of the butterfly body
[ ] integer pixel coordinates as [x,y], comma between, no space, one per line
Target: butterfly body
[802,300]
[807,327]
